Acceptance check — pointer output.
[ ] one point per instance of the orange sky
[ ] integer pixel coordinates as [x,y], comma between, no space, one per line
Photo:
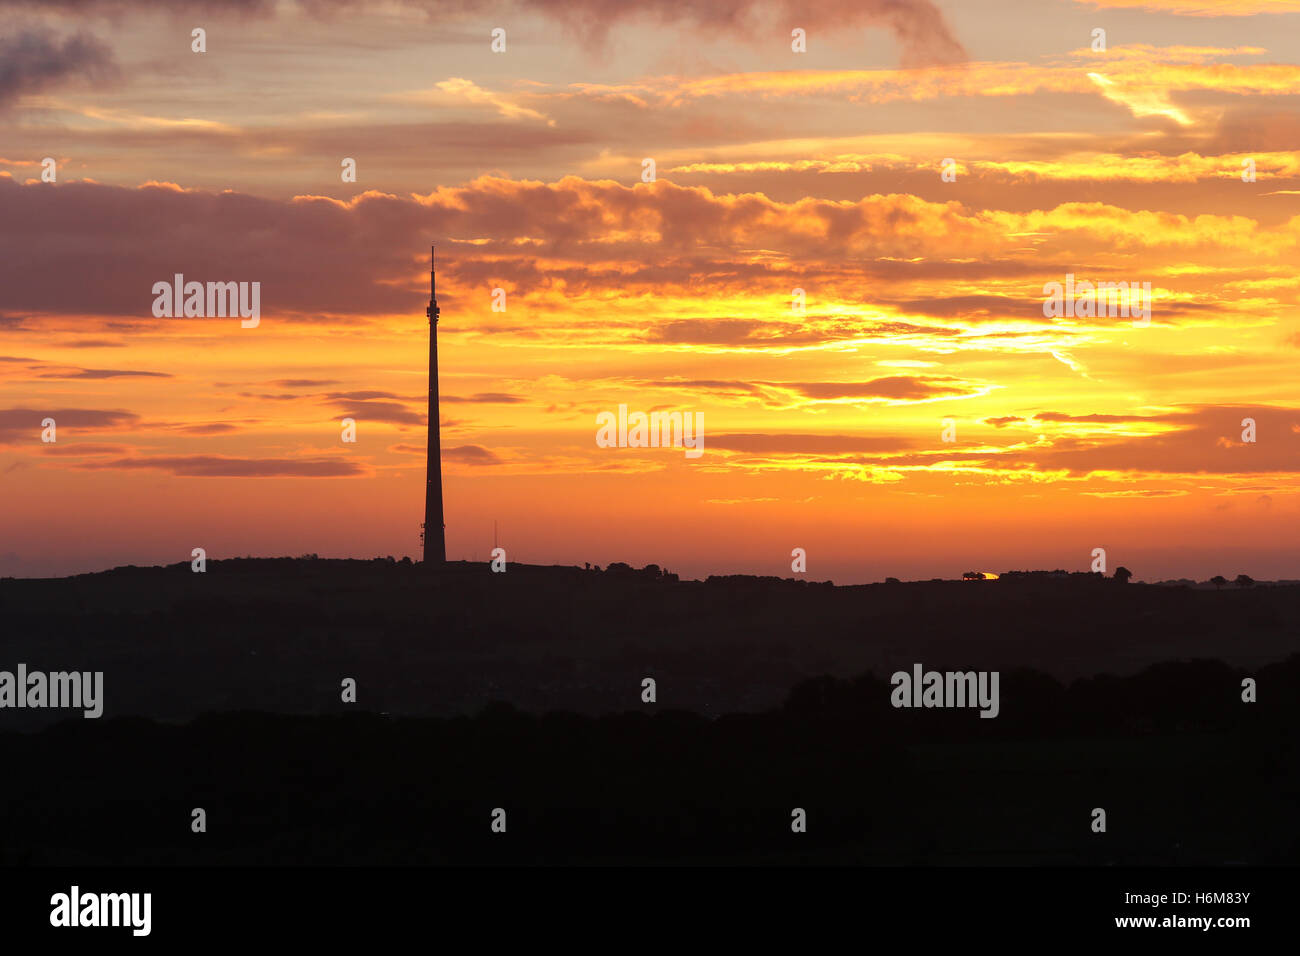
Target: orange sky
[775,170]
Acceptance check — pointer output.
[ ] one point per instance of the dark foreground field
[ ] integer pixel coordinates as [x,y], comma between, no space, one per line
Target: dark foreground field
[1187,774]
[523,692]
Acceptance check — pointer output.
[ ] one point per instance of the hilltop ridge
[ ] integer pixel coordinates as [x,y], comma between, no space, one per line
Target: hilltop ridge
[279,634]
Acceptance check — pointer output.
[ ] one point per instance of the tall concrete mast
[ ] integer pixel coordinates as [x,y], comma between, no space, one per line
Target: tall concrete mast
[435,530]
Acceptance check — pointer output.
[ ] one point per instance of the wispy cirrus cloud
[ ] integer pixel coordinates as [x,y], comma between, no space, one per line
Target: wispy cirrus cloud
[1141,69]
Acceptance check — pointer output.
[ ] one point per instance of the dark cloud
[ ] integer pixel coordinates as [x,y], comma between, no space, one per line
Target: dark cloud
[715,331]
[484,398]
[811,444]
[303,382]
[918,26]
[706,385]
[392,412]
[894,387]
[97,373]
[975,307]
[214,466]
[471,455]
[365,396]
[317,259]
[1105,419]
[759,333]
[70,372]
[33,60]
[23,425]
[209,428]
[780,394]
[85,448]
[985,308]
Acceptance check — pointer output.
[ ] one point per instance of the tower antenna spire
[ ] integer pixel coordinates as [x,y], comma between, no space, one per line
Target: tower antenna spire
[435,530]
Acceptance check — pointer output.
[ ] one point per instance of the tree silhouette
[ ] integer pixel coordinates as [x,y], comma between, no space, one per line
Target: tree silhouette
[1122,575]
[1218,581]
[1244,581]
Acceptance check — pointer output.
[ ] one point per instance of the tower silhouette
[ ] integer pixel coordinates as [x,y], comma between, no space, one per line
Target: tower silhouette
[435,530]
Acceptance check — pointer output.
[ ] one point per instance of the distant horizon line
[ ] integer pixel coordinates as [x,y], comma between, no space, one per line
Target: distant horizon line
[622,567]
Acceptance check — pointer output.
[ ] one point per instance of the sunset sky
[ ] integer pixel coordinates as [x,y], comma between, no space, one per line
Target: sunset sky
[776,170]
